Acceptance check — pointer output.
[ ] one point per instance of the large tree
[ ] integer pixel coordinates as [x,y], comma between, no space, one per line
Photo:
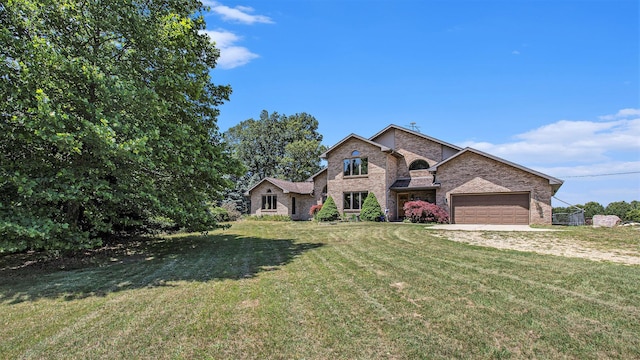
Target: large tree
[275,145]
[108,119]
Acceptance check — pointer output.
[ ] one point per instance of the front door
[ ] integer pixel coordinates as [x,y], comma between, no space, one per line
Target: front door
[402,198]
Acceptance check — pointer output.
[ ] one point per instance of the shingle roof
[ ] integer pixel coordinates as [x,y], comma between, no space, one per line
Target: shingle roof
[305,188]
[414,183]
[294,187]
[382,147]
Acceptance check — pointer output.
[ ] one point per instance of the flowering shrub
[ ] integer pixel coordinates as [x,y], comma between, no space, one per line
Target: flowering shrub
[424,212]
[314,209]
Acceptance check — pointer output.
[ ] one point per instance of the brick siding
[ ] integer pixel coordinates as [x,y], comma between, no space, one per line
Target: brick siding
[473,173]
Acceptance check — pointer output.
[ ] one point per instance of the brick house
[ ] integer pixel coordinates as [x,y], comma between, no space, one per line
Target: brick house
[400,165]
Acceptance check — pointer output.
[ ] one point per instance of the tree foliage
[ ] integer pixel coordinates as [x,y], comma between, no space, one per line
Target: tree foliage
[280,146]
[371,210]
[618,208]
[633,215]
[108,119]
[592,208]
[285,147]
[329,211]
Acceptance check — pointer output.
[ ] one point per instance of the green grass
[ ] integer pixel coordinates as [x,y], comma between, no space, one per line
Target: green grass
[287,290]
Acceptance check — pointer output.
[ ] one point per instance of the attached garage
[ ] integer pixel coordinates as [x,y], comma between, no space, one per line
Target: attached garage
[503,208]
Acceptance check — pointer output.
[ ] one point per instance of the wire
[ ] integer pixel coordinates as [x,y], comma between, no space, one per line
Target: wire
[595,175]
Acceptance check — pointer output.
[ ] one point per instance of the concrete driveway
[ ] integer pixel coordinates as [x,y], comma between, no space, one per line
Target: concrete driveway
[484,227]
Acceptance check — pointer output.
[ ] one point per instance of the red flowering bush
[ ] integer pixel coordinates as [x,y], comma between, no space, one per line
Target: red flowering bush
[425,212]
[314,209]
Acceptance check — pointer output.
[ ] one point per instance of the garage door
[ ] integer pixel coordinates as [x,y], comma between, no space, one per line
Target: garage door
[491,209]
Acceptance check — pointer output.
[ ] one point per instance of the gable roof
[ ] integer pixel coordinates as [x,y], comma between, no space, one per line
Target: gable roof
[554,182]
[316,174]
[304,188]
[354,136]
[396,127]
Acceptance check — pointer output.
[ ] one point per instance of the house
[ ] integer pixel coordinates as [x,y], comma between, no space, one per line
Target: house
[400,165]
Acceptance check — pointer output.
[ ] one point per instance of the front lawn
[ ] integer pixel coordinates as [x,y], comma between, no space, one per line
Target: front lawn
[304,290]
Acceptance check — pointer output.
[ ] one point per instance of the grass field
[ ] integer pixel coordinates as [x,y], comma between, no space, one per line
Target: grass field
[310,291]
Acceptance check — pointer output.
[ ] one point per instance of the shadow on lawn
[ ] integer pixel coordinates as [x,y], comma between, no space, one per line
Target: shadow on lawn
[152,263]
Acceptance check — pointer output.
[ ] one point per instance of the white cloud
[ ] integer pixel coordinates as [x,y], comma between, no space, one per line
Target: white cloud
[515,52]
[231,55]
[241,14]
[598,160]
[587,171]
[624,113]
[568,141]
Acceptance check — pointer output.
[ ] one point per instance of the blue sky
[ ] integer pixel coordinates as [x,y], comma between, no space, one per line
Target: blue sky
[551,85]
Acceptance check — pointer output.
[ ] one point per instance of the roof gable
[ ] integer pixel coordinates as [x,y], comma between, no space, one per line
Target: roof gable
[304,188]
[555,182]
[414,133]
[354,136]
[317,174]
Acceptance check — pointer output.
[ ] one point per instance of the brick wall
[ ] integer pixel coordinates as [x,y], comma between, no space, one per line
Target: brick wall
[374,181]
[319,182]
[256,200]
[474,173]
[284,202]
[414,147]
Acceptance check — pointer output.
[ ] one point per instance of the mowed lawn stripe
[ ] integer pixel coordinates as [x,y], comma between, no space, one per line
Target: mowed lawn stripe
[305,290]
[500,293]
[350,318]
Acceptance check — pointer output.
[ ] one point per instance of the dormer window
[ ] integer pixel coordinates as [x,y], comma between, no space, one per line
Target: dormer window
[356,165]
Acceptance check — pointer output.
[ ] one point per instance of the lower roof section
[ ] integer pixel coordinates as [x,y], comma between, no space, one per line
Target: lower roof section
[415,183]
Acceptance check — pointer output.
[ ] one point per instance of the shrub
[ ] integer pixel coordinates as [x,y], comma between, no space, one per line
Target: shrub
[220,214]
[424,212]
[232,211]
[371,210]
[315,209]
[329,211]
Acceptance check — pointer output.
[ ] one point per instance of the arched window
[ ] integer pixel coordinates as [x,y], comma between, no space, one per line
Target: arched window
[419,165]
[269,201]
[356,165]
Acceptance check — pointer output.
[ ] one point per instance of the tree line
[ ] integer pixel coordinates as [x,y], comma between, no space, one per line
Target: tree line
[626,211]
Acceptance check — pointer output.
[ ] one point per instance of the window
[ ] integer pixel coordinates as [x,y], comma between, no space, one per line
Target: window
[293,206]
[354,200]
[324,194]
[269,201]
[355,165]
[419,165]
